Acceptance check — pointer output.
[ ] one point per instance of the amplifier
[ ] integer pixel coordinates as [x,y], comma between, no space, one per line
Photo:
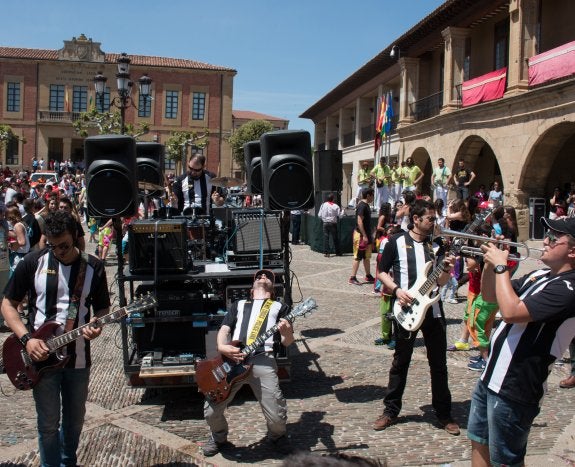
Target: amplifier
[162,239]
[250,226]
[252,260]
[173,301]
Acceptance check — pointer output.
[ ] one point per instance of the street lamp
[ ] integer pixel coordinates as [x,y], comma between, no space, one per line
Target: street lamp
[123,100]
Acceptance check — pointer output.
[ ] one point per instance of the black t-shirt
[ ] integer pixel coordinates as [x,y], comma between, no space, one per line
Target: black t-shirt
[462,176]
[364,211]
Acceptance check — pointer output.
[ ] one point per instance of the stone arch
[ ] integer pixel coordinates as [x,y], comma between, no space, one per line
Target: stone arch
[422,159]
[480,158]
[550,162]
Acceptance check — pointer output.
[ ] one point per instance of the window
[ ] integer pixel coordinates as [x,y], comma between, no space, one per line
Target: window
[56,98]
[12,151]
[501,43]
[79,98]
[467,59]
[198,105]
[13,97]
[145,106]
[169,164]
[103,102]
[172,104]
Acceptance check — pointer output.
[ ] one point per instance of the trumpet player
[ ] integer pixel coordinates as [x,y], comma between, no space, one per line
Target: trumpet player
[538,312]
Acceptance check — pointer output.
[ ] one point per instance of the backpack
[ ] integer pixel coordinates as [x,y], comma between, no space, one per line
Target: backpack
[32,229]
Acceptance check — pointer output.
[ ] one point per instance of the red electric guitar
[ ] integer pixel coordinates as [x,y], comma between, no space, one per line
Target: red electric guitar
[24,373]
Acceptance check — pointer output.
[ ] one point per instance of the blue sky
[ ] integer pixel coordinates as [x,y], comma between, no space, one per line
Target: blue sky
[287,54]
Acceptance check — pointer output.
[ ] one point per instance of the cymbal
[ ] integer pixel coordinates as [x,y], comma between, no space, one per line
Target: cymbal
[150,186]
[226,181]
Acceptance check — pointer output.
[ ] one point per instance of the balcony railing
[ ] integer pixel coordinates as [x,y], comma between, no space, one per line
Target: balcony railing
[427,107]
[349,139]
[63,117]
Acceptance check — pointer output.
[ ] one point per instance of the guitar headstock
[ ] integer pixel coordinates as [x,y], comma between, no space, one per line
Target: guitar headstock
[142,303]
[305,307]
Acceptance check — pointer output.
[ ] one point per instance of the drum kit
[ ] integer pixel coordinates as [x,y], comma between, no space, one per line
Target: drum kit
[207,236]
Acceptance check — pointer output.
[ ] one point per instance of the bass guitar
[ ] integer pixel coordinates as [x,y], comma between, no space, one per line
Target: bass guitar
[25,373]
[217,376]
[424,290]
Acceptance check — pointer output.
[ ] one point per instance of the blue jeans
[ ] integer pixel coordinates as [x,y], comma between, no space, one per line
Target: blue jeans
[501,424]
[66,389]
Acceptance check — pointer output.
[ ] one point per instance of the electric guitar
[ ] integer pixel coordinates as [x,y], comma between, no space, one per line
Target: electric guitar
[424,291]
[217,376]
[25,373]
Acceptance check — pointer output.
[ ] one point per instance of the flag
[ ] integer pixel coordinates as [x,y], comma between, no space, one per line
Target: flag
[388,118]
[381,104]
[66,102]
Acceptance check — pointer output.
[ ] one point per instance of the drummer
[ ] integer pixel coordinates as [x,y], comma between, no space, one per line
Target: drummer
[192,189]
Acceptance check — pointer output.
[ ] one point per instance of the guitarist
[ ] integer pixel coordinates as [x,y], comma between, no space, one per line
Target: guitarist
[244,322]
[52,278]
[405,255]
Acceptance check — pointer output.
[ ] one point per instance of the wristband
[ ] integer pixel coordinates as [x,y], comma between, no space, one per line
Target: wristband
[25,338]
[394,291]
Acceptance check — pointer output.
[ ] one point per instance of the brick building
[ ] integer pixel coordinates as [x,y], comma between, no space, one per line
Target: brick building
[487,81]
[43,91]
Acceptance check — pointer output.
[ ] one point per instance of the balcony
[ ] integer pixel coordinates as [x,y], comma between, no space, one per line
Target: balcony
[349,139]
[58,117]
[427,107]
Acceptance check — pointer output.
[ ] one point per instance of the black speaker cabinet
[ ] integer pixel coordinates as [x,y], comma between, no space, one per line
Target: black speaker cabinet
[110,162]
[287,170]
[327,170]
[171,339]
[165,240]
[254,232]
[253,163]
[150,165]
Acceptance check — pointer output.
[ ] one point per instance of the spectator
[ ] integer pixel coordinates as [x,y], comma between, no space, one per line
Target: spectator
[496,195]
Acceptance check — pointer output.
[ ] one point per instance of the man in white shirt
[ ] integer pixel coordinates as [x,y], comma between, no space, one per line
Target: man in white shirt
[329,213]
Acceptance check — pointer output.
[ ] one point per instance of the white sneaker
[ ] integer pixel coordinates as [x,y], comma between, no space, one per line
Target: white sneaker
[452,300]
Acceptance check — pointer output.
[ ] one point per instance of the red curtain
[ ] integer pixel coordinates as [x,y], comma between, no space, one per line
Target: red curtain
[484,88]
[555,63]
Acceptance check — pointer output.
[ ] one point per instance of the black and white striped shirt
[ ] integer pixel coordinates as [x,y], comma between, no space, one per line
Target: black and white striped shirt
[243,314]
[406,259]
[51,284]
[521,354]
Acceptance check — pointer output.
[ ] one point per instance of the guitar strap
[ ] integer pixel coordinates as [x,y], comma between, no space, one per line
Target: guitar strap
[265,309]
[51,305]
[74,306]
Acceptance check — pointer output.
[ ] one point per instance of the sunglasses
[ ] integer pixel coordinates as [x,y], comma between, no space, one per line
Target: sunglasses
[553,236]
[195,170]
[63,247]
[430,218]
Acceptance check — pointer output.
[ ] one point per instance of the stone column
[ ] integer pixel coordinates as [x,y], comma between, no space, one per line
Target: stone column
[454,39]
[409,90]
[523,20]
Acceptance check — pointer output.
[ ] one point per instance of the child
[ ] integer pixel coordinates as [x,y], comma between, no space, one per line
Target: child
[93,228]
[385,302]
[449,290]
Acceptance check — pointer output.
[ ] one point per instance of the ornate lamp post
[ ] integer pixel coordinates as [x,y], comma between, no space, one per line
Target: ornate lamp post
[124,99]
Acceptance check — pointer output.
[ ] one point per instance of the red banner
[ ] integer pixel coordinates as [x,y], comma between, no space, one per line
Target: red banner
[484,88]
[553,64]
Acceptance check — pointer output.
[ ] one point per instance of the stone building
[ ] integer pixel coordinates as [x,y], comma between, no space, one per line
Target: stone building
[487,81]
[43,91]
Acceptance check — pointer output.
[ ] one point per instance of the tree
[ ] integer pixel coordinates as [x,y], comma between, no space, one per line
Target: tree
[180,140]
[6,134]
[106,123]
[250,131]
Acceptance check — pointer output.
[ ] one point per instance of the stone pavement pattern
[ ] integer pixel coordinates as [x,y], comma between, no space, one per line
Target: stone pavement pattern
[338,381]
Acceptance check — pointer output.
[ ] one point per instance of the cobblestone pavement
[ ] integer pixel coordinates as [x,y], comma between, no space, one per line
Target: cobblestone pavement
[338,381]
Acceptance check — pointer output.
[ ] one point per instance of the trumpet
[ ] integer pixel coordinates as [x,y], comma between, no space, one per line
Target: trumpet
[529,252]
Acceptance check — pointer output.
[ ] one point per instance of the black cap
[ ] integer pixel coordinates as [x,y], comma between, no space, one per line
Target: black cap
[565,225]
[270,275]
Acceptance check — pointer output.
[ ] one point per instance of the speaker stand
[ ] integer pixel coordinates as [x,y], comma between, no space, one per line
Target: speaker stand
[117,223]
[286,220]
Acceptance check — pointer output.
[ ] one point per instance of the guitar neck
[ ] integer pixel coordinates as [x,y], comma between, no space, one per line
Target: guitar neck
[260,340]
[58,342]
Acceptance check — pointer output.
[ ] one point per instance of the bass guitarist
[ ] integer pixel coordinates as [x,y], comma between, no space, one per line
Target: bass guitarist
[405,255]
[61,283]
[244,322]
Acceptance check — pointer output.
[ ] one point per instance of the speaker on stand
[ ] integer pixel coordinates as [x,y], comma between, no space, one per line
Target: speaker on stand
[150,171]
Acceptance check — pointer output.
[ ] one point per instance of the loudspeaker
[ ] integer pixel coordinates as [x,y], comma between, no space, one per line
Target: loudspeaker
[250,229]
[110,162]
[287,170]
[253,163]
[166,240]
[327,170]
[150,164]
